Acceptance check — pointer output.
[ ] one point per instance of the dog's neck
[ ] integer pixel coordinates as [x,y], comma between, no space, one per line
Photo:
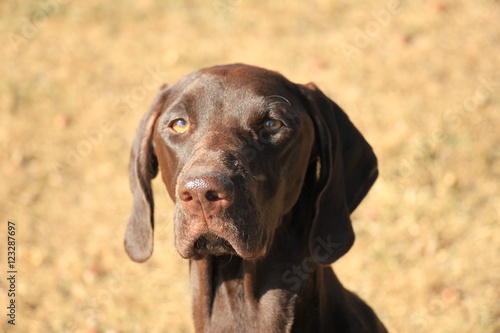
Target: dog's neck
[264,295]
[228,294]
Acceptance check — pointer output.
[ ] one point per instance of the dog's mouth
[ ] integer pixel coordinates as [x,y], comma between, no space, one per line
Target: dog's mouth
[211,244]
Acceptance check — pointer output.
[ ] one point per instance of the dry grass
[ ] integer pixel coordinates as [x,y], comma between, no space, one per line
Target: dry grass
[420,80]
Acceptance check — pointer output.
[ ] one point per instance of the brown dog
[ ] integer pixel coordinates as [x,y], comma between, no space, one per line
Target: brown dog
[264,174]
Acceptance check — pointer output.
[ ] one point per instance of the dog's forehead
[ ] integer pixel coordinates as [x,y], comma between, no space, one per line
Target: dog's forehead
[239,75]
[238,82]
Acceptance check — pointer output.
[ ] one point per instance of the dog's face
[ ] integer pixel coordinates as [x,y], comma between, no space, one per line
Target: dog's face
[234,144]
[233,148]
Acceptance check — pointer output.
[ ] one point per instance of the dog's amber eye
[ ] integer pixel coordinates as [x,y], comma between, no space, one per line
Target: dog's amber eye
[179,125]
[272,124]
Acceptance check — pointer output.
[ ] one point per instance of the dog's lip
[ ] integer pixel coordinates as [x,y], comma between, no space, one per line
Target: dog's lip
[212,244]
[210,236]
[237,241]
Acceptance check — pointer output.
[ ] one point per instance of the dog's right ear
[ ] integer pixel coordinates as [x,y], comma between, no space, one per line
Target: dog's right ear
[143,167]
[348,169]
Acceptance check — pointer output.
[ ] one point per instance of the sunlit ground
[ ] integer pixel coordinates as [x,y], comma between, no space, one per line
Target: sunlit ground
[420,79]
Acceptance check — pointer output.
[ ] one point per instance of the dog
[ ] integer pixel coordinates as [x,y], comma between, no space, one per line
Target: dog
[264,174]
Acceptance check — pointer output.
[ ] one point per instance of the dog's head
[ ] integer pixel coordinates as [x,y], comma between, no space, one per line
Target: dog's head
[234,144]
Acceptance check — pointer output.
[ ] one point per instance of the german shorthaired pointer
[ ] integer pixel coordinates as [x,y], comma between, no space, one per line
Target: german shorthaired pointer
[264,174]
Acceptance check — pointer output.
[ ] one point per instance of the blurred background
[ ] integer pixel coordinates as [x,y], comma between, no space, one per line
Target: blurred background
[420,79]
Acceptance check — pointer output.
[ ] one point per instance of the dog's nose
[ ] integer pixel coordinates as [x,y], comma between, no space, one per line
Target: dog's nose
[206,195]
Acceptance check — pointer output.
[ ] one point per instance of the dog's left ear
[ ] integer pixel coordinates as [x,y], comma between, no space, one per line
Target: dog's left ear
[143,167]
[348,169]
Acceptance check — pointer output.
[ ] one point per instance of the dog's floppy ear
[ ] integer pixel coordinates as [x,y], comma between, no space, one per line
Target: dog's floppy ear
[143,167]
[348,169]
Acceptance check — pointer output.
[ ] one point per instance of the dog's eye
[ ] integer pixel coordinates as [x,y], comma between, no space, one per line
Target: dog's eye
[179,125]
[272,124]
